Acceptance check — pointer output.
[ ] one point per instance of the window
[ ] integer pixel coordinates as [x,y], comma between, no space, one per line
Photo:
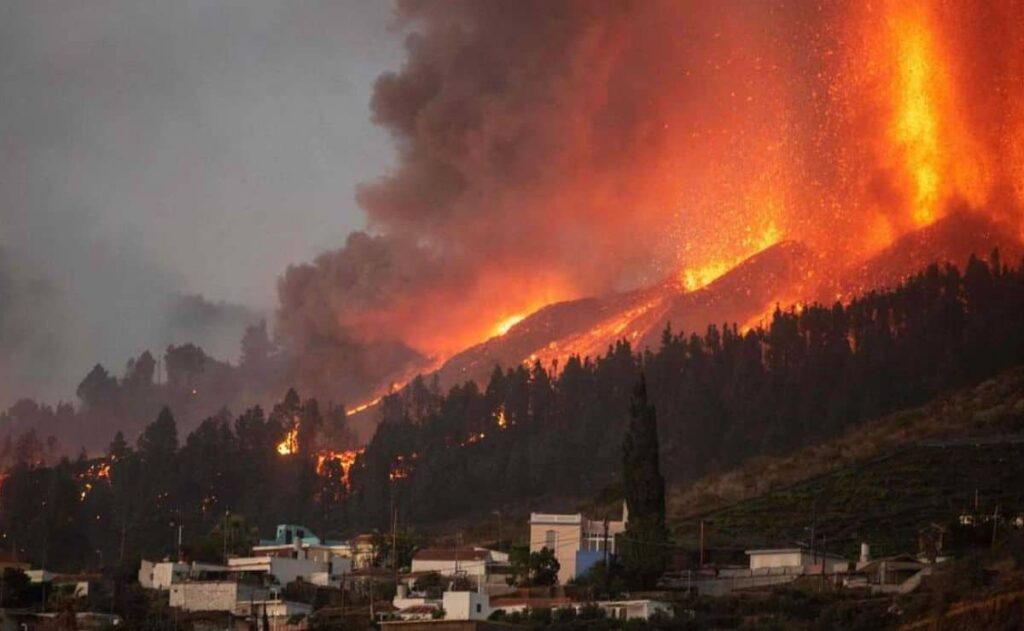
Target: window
[550,540]
[478,608]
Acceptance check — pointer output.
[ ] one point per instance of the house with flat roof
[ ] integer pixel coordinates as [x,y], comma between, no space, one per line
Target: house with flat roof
[807,560]
[163,574]
[577,541]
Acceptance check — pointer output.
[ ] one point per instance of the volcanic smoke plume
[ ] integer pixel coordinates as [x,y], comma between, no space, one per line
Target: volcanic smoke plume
[549,150]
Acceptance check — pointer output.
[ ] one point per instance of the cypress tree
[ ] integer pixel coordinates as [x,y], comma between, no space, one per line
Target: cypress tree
[645,544]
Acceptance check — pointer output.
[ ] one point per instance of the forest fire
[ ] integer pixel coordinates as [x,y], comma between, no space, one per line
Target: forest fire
[402,467]
[344,459]
[96,473]
[290,443]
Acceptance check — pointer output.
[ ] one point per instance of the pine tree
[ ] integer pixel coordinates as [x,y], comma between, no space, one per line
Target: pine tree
[159,441]
[644,547]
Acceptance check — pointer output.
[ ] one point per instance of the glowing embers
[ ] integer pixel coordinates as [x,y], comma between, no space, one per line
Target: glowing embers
[696,277]
[96,473]
[402,467]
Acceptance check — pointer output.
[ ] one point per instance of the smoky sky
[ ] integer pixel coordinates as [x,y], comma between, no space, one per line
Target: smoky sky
[548,150]
[161,161]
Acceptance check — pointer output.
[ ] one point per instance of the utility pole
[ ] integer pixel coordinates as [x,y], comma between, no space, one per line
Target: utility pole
[814,524]
[394,540]
[227,514]
[701,544]
[607,570]
[458,543]
[995,524]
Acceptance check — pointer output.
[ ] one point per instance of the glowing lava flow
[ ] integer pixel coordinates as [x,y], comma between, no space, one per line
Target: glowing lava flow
[362,407]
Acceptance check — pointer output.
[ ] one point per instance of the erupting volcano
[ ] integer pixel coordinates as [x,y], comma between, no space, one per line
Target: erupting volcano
[575,173]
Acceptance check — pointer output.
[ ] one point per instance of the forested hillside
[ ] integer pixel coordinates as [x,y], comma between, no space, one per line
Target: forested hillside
[532,431]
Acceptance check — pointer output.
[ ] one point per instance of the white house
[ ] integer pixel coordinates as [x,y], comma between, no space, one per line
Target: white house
[466,606]
[811,562]
[473,563]
[577,541]
[283,570]
[162,574]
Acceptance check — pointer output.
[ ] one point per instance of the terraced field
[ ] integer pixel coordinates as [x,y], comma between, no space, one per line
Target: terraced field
[884,501]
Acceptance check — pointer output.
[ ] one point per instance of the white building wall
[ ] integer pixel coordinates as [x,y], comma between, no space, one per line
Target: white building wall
[776,559]
[283,569]
[465,606]
[274,608]
[289,570]
[635,609]
[213,595]
[796,558]
[161,574]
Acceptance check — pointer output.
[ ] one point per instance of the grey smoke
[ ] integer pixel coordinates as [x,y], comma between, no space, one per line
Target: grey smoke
[162,162]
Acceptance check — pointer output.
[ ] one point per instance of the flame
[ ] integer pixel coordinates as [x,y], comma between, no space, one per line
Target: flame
[290,444]
[502,327]
[345,458]
[500,419]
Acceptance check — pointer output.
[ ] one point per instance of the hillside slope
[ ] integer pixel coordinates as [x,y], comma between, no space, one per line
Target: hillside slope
[879,481]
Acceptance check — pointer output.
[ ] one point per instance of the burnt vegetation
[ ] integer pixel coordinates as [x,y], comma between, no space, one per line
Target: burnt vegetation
[532,432]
